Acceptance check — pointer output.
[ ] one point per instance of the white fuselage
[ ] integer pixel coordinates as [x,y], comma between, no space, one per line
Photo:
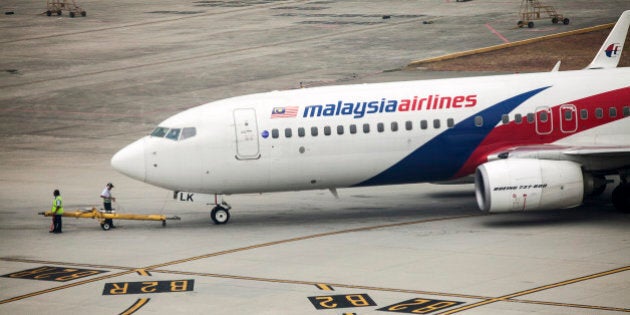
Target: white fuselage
[378,134]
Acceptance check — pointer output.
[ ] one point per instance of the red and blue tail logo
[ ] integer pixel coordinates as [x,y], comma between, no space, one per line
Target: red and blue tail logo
[613,50]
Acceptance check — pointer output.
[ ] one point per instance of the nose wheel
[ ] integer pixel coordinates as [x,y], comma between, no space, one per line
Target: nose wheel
[220,214]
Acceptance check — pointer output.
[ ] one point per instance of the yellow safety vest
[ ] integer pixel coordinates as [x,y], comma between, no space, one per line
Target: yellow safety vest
[54,206]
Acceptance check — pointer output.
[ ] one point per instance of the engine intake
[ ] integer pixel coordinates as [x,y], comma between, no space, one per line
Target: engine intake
[528,184]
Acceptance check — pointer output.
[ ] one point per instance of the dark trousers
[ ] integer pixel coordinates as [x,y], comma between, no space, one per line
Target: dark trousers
[57,223]
[108,208]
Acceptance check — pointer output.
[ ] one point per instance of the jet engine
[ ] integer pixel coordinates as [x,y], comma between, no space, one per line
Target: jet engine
[528,184]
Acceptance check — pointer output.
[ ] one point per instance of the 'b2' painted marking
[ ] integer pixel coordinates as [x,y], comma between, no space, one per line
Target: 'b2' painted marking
[419,306]
[144,287]
[50,273]
[341,301]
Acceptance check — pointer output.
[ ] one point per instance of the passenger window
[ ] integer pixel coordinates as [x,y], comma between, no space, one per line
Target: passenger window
[424,124]
[478,121]
[314,131]
[340,130]
[544,116]
[612,112]
[173,134]
[505,119]
[353,129]
[530,118]
[599,113]
[288,132]
[408,125]
[188,132]
[275,133]
[327,131]
[450,123]
[584,114]
[380,127]
[159,132]
[301,132]
[568,115]
[366,128]
[626,111]
[394,126]
[518,118]
[436,123]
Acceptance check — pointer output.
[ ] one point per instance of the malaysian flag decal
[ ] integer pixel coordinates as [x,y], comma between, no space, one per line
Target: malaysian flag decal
[285,112]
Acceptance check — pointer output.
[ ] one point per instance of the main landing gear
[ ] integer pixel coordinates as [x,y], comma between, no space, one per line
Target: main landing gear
[220,214]
[621,197]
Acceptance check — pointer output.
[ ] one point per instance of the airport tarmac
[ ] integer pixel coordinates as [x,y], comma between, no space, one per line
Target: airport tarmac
[73,91]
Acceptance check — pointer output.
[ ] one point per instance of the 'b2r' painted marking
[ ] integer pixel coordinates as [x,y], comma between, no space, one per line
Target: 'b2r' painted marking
[341,301]
[50,273]
[419,306]
[145,287]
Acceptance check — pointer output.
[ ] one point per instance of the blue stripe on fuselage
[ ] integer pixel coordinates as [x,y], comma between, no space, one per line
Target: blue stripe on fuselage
[443,156]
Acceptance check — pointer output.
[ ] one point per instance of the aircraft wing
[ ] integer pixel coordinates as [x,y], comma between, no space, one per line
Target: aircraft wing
[593,158]
[599,151]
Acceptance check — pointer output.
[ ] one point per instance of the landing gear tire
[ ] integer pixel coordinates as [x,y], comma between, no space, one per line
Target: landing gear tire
[621,197]
[220,215]
[105,226]
[598,191]
[599,185]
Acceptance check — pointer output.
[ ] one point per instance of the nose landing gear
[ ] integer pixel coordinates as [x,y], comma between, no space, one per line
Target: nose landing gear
[220,214]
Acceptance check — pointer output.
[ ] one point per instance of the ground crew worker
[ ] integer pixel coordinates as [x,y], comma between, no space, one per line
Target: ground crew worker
[57,211]
[107,202]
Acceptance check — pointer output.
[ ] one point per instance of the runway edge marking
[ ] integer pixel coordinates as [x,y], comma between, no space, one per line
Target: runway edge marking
[136,306]
[538,289]
[66,286]
[590,307]
[231,251]
[417,63]
[372,288]
[303,238]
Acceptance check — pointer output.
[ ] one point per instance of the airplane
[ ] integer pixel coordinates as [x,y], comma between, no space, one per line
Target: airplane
[535,141]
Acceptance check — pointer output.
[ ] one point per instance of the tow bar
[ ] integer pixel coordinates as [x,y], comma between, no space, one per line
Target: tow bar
[101,216]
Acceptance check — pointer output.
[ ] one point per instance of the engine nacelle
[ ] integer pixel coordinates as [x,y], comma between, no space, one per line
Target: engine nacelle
[528,184]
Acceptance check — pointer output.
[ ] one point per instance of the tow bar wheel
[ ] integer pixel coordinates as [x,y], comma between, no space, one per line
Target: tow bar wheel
[220,215]
[105,226]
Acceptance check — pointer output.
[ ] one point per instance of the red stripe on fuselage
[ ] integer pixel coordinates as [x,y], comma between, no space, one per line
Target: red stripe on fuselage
[512,134]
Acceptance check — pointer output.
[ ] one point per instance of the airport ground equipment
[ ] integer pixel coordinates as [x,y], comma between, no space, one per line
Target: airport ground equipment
[534,9]
[102,216]
[57,6]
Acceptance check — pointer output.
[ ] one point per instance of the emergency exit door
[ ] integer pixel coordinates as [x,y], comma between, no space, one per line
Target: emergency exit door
[247,147]
[544,120]
[568,118]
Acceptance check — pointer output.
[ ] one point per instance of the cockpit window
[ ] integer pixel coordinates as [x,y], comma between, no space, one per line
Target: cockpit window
[159,132]
[188,132]
[173,134]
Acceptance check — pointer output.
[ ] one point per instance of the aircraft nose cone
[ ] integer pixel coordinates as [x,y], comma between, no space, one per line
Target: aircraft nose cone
[130,160]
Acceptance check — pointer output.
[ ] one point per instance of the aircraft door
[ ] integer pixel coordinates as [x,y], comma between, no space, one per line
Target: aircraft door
[247,147]
[568,118]
[544,121]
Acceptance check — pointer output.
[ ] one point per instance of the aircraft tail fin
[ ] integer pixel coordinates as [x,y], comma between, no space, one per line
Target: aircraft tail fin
[609,54]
